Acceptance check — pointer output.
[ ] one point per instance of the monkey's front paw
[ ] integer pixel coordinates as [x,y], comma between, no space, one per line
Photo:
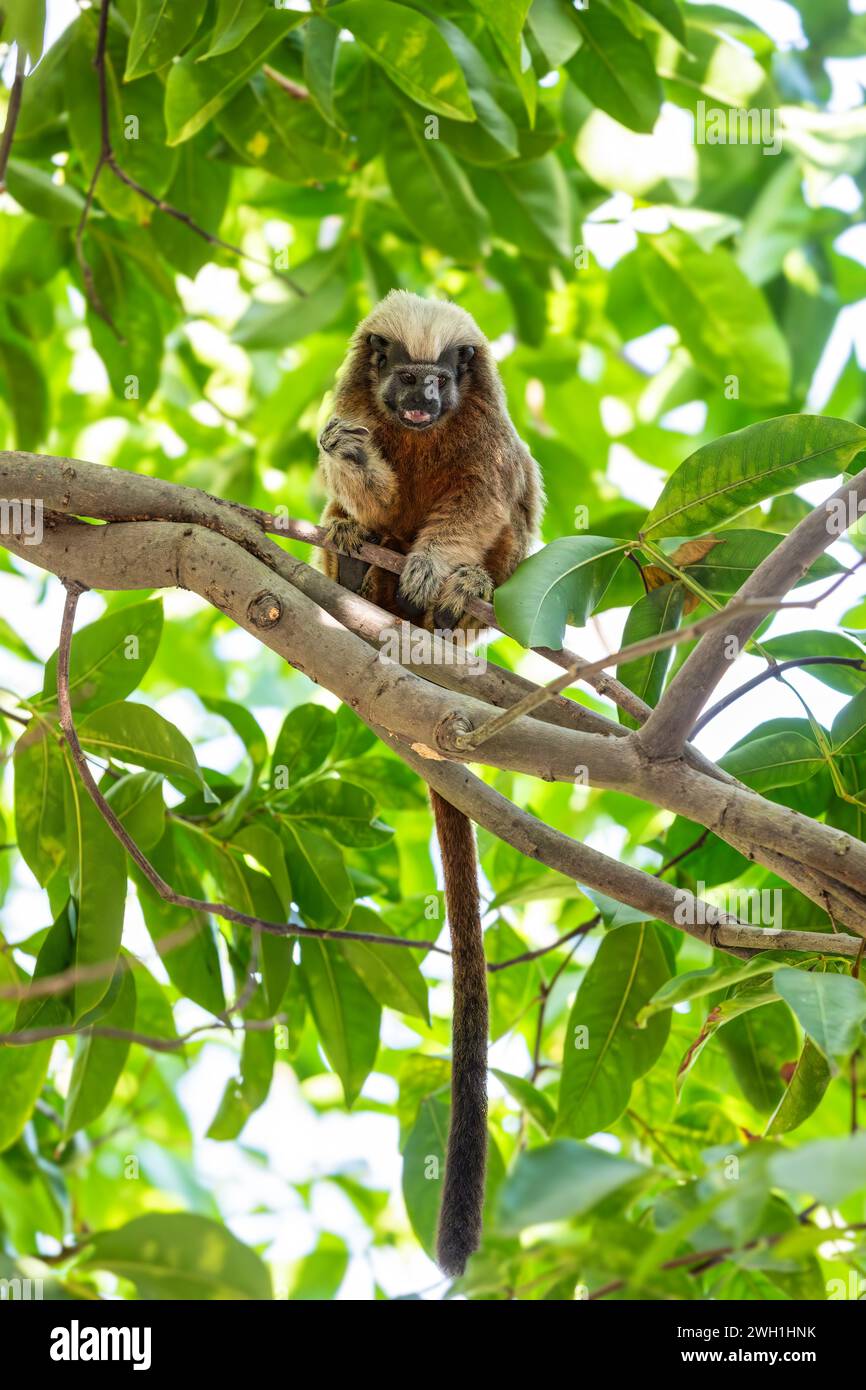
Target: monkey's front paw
[421,580]
[464,584]
[346,534]
[345,441]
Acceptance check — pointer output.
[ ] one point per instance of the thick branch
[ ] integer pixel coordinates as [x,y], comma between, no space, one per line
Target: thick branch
[244,586]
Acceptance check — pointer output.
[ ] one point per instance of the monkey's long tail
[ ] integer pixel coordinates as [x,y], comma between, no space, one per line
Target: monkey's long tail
[463,1194]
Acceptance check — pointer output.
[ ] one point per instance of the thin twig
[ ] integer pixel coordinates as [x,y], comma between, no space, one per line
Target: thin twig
[292,89]
[661,641]
[27,1036]
[774,672]
[108,159]
[12,112]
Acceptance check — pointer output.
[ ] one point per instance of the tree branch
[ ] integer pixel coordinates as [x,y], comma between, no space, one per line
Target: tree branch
[242,574]
[671,722]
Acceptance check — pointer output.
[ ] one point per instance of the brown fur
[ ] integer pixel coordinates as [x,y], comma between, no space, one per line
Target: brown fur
[462,499]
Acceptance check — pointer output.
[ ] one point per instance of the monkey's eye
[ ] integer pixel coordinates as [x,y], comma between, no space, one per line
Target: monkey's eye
[408,378]
[442,380]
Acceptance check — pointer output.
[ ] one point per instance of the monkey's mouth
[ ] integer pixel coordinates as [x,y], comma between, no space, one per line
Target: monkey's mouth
[418,419]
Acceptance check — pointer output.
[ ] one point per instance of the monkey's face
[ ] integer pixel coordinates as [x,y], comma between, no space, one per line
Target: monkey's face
[418,395]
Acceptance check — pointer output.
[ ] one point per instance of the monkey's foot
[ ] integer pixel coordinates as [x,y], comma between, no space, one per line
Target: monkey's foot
[346,534]
[345,441]
[464,584]
[422,578]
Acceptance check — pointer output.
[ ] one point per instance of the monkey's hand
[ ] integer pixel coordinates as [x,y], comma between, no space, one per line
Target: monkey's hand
[464,584]
[346,534]
[345,441]
[355,473]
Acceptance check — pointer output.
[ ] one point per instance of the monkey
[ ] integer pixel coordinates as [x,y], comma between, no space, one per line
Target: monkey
[421,456]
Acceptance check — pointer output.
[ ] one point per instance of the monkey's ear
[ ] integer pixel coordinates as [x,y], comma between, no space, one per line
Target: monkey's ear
[378,342]
[464,354]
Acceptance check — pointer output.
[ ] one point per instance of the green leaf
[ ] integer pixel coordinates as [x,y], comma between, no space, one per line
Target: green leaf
[424,1167]
[24,388]
[179,1256]
[530,205]
[658,611]
[791,646]
[244,1095]
[234,20]
[137,802]
[24,25]
[804,1091]
[554,31]
[37,192]
[22,1069]
[727,566]
[319,1275]
[56,956]
[605,1051]
[695,984]
[559,1180]
[162,29]
[195,92]
[433,192]
[246,727]
[97,881]
[410,49]
[303,744]
[202,183]
[831,1009]
[321,44]
[136,734]
[390,973]
[778,760]
[344,811]
[562,583]
[346,1015]
[99,1061]
[758,1040]
[615,70]
[722,318]
[733,473]
[320,883]
[391,782]
[828,1169]
[529,1098]
[268,325]
[109,657]
[185,940]
[40,774]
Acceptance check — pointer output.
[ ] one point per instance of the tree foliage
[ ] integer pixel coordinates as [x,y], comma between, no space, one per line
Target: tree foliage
[192,229]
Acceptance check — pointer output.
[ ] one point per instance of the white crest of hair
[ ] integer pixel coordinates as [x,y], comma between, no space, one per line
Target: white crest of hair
[425,327]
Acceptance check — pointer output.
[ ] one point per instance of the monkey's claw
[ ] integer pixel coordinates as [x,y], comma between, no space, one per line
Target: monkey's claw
[344,441]
[346,534]
[464,584]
